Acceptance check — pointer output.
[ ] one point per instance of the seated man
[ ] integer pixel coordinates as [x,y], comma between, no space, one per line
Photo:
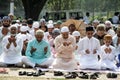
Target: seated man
[65,46]
[12,47]
[108,53]
[38,52]
[89,49]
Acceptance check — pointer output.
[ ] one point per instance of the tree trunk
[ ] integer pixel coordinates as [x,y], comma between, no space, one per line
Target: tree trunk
[33,8]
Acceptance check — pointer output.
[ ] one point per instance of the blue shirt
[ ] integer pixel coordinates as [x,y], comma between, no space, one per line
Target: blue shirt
[38,56]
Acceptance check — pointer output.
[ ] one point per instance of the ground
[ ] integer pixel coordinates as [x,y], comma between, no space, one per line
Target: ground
[13,75]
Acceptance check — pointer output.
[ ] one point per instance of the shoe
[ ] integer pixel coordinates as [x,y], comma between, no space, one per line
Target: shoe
[29,73]
[93,76]
[35,74]
[71,75]
[58,73]
[111,75]
[40,72]
[22,73]
[83,75]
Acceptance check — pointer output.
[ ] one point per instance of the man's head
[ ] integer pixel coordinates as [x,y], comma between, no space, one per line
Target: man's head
[39,34]
[65,32]
[100,29]
[13,30]
[30,22]
[76,34]
[107,39]
[89,32]
[6,21]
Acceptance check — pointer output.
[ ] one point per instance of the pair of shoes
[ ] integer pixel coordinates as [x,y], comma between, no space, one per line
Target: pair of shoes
[71,75]
[94,75]
[22,73]
[83,75]
[58,73]
[111,75]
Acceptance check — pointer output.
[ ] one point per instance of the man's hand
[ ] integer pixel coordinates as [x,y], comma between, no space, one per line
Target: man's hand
[65,43]
[109,50]
[10,40]
[46,49]
[106,50]
[87,51]
[94,51]
[32,50]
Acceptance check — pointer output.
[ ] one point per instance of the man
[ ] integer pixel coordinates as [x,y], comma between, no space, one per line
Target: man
[86,18]
[4,29]
[12,47]
[116,43]
[38,52]
[89,48]
[100,33]
[25,37]
[65,46]
[108,53]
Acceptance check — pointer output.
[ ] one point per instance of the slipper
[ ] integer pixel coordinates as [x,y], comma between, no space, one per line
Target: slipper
[35,74]
[83,75]
[111,75]
[22,73]
[29,73]
[58,73]
[71,75]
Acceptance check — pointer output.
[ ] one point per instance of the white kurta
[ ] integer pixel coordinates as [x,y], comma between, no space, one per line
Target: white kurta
[65,54]
[13,54]
[25,36]
[1,38]
[89,61]
[108,59]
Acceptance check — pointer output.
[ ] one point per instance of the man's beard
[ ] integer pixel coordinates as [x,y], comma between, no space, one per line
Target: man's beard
[6,25]
[13,35]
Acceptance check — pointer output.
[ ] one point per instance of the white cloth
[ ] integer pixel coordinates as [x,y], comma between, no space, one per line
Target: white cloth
[26,61]
[86,20]
[13,54]
[36,25]
[25,36]
[108,59]
[115,19]
[111,32]
[90,60]
[65,58]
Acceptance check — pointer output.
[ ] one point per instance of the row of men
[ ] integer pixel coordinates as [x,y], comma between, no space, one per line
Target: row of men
[38,51]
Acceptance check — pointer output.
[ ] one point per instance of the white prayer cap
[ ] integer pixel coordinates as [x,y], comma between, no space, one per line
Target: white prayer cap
[42,20]
[13,26]
[56,30]
[64,29]
[50,22]
[36,25]
[17,21]
[96,21]
[23,28]
[108,24]
[39,32]
[17,24]
[50,26]
[76,33]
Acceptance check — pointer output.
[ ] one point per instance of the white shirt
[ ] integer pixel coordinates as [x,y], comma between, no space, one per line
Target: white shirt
[13,54]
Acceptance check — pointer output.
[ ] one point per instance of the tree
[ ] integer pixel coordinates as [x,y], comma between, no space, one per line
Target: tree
[33,8]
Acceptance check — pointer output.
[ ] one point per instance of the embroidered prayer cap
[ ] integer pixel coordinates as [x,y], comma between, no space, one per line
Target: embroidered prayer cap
[76,33]
[24,28]
[100,27]
[90,28]
[39,32]
[64,29]
[36,25]
[50,26]
[108,37]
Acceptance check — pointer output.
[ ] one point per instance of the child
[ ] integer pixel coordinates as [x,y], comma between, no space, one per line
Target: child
[107,57]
